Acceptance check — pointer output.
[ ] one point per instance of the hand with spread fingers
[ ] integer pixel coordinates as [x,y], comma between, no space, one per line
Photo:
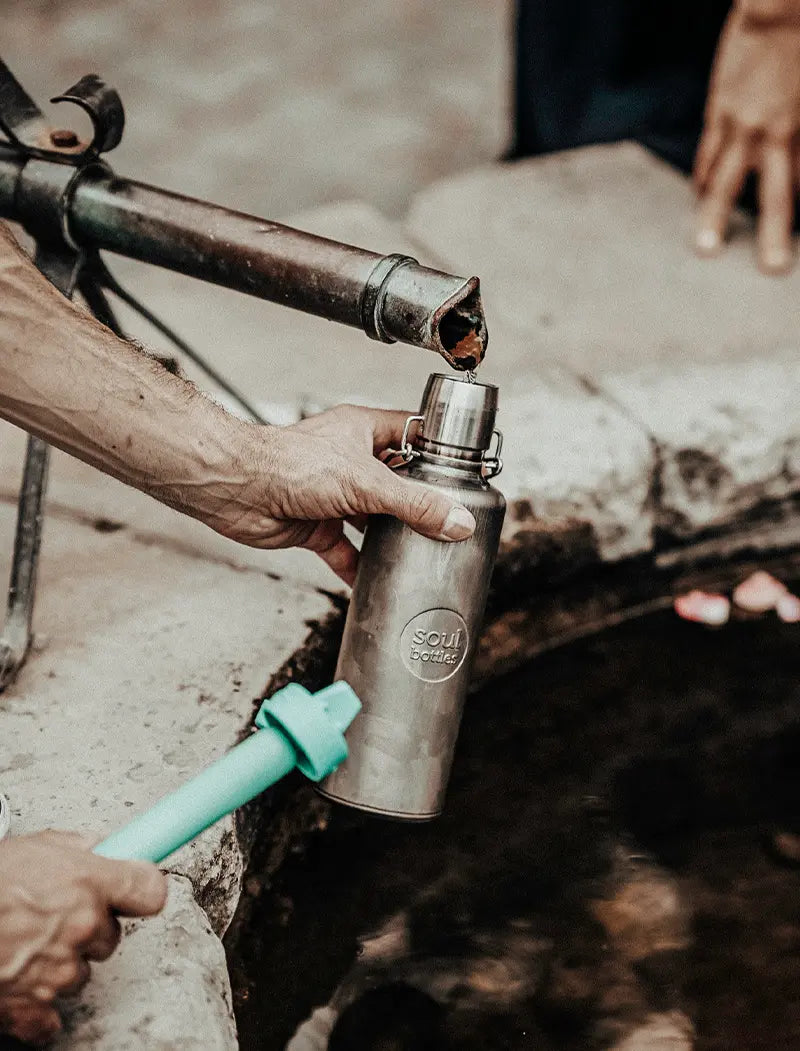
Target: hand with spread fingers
[752,125]
[58,908]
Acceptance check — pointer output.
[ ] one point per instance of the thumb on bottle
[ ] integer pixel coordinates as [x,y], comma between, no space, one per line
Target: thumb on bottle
[426,510]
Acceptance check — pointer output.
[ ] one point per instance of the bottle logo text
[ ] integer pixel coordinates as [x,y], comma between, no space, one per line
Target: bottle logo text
[434,644]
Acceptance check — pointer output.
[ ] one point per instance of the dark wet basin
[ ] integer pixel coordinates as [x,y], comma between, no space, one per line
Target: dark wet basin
[659,754]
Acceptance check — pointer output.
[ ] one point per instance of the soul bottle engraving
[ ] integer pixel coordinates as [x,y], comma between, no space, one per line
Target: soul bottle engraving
[433,644]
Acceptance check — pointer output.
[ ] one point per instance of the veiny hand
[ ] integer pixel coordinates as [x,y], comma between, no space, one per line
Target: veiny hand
[301,483]
[752,124]
[57,905]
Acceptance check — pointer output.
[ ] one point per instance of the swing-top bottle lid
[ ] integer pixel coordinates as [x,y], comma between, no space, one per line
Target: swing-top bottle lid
[457,413]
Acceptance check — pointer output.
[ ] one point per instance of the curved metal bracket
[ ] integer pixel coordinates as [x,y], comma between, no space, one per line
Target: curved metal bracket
[105,110]
[493,463]
[27,128]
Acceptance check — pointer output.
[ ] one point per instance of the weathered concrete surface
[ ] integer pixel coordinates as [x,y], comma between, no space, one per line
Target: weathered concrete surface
[166,989]
[728,435]
[586,255]
[145,668]
[578,471]
[584,262]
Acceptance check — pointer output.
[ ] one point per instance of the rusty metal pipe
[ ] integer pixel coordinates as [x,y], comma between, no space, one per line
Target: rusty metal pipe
[392,298]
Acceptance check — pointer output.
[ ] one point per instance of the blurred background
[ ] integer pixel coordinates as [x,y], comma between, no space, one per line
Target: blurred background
[272,107]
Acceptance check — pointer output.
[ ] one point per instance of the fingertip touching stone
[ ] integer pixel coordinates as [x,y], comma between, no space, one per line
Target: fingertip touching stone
[165,987]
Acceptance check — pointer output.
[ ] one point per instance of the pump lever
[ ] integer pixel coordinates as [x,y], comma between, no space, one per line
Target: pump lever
[57,188]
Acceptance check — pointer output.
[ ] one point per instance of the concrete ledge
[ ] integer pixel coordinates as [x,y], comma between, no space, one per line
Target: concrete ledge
[166,989]
[576,468]
[727,436]
[146,667]
[647,394]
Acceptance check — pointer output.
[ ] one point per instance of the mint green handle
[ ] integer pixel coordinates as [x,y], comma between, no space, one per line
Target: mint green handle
[297,729]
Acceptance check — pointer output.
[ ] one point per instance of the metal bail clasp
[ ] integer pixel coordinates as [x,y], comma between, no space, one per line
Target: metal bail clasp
[407,450]
[406,453]
[493,464]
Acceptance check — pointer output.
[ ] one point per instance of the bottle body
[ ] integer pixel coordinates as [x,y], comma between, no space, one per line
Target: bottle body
[409,640]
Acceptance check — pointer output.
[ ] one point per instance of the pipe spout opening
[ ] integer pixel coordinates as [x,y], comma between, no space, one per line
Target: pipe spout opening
[435,310]
[462,331]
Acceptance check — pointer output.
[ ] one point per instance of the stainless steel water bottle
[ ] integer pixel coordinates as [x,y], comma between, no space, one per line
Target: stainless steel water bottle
[416,611]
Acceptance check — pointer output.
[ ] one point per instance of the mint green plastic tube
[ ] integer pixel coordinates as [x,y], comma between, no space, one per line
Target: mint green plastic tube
[296,729]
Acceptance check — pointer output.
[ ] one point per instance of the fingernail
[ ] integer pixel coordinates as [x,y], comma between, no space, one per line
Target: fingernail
[707,242]
[459,524]
[788,608]
[776,261]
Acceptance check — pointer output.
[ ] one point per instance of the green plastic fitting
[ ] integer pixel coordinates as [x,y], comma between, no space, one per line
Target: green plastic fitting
[295,729]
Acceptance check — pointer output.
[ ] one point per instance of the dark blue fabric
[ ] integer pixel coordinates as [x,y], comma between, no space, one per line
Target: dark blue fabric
[591,71]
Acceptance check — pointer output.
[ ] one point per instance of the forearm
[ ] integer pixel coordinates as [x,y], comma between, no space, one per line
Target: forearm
[71,381]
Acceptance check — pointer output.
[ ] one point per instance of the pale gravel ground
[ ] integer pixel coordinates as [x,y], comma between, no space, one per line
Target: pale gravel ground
[276,106]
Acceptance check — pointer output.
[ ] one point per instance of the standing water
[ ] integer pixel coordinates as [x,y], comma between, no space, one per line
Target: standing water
[615,859]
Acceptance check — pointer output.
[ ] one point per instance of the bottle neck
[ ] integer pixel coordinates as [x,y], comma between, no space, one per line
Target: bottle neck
[453,452]
[464,461]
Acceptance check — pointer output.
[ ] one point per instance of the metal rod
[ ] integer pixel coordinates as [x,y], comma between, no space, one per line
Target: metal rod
[62,266]
[15,639]
[392,298]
